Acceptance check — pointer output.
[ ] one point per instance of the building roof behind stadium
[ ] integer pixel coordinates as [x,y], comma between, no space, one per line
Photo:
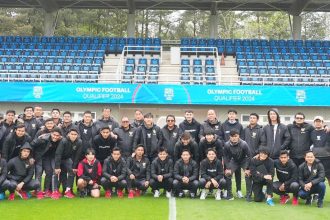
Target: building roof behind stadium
[294,7]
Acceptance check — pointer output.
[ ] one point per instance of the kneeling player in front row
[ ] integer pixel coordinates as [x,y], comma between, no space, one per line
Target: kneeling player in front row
[211,174]
[138,172]
[20,173]
[185,175]
[114,173]
[89,173]
[311,179]
[161,173]
[287,174]
[262,172]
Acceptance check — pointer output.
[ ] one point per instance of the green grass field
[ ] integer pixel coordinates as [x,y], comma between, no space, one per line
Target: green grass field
[147,207]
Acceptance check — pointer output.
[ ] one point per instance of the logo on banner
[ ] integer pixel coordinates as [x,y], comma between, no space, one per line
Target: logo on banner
[168,94]
[37,92]
[301,95]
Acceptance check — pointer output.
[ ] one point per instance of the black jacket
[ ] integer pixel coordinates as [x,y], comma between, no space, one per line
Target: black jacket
[111,123]
[227,126]
[5,130]
[260,168]
[192,147]
[140,169]
[114,168]
[211,169]
[254,137]
[170,137]
[189,170]
[156,139]
[20,170]
[103,147]
[86,133]
[215,144]
[43,145]
[236,152]
[287,173]
[12,145]
[125,139]
[282,139]
[321,143]
[137,124]
[300,139]
[67,149]
[316,175]
[3,170]
[32,126]
[193,128]
[213,126]
[164,168]
[66,128]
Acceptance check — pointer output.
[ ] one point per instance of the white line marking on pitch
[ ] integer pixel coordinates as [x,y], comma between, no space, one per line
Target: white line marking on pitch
[172,208]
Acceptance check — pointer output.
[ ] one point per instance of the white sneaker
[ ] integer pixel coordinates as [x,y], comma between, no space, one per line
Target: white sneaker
[156,193]
[168,194]
[225,194]
[203,194]
[240,195]
[218,195]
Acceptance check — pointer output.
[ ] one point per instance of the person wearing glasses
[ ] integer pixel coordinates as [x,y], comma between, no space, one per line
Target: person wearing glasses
[125,137]
[300,133]
[170,134]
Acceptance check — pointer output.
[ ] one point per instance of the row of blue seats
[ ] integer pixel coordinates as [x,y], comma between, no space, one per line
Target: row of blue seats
[292,50]
[129,69]
[48,67]
[71,53]
[28,76]
[252,42]
[142,61]
[284,56]
[303,81]
[54,46]
[80,40]
[151,79]
[287,63]
[197,62]
[283,71]
[198,70]
[51,59]
[198,80]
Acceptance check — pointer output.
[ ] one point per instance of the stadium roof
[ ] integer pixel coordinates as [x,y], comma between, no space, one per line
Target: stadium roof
[294,7]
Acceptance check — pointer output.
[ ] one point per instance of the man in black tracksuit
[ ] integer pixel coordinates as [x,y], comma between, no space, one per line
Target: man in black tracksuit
[3,177]
[14,141]
[276,134]
[300,132]
[44,148]
[287,175]
[32,125]
[138,119]
[170,134]
[150,136]
[211,174]
[138,172]
[262,172]
[125,137]
[230,124]
[236,157]
[106,121]
[254,137]
[162,173]
[67,156]
[67,123]
[185,175]
[7,126]
[311,179]
[46,129]
[114,173]
[321,144]
[211,123]
[20,173]
[210,141]
[190,125]
[87,131]
[186,142]
[103,144]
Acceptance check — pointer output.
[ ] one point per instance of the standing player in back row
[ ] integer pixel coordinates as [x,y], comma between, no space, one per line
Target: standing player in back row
[190,125]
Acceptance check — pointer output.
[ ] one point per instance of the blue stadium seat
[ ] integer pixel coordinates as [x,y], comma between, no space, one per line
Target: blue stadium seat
[185,62]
